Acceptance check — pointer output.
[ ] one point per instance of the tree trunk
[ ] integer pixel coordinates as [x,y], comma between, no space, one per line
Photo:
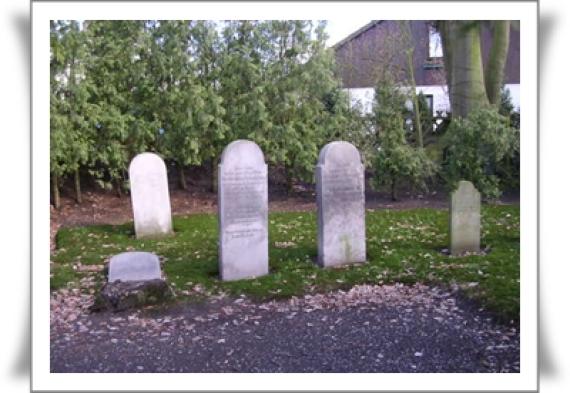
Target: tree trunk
[214,178]
[417,120]
[119,188]
[55,190]
[495,67]
[410,59]
[289,180]
[182,177]
[77,182]
[393,189]
[467,84]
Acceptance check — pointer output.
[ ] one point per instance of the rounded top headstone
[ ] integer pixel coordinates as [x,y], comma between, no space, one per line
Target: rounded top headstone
[147,161]
[465,185]
[343,153]
[134,266]
[242,152]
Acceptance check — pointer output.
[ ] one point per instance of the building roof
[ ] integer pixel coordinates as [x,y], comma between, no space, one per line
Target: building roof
[362,56]
[355,34]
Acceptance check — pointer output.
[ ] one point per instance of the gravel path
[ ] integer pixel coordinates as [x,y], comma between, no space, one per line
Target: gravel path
[394,328]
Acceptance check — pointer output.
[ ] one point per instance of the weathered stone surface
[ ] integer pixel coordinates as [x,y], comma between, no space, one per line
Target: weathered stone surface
[340,205]
[119,295]
[465,219]
[134,266]
[149,196]
[242,212]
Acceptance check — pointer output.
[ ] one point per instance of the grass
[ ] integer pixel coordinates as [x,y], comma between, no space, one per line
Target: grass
[402,246]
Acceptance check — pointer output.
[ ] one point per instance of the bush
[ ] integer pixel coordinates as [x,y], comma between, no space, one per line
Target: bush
[508,169]
[474,149]
[396,160]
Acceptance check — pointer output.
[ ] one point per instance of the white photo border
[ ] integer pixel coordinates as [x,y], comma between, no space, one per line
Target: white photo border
[43,12]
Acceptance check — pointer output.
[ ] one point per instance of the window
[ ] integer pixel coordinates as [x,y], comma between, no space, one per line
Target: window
[435,47]
[429,101]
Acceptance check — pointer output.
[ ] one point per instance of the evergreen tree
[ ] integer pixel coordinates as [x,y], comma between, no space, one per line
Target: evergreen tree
[70,137]
[119,75]
[396,160]
[307,107]
[186,89]
[242,85]
[205,50]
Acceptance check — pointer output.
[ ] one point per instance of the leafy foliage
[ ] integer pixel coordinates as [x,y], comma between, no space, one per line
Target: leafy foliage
[186,89]
[475,147]
[396,159]
[508,169]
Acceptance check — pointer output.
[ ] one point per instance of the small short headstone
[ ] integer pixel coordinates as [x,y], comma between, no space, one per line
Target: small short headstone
[134,266]
[134,280]
[340,205]
[149,196]
[242,212]
[465,219]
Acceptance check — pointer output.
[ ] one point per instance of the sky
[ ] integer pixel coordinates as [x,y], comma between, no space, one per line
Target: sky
[338,29]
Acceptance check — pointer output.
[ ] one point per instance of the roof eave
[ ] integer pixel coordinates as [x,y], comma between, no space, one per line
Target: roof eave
[357,33]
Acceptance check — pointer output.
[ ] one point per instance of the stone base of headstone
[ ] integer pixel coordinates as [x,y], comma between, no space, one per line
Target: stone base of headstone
[124,295]
[153,235]
[134,280]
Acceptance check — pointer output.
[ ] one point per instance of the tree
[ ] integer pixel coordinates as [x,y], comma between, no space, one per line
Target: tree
[185,107]
[475,147]
[121,85]
[471,84]
[480,146]
[70,137]
[409,50]
[241,80]
[205,50]
[396,160]
[304,99]
[185,89]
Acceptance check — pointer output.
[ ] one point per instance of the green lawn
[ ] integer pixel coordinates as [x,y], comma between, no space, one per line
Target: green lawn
[402,246]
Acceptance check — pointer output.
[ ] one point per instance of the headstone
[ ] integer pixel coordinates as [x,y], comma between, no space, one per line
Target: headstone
[134,280]
[134,266]
[149,196]
[465,219]
[340,205]
[242,212]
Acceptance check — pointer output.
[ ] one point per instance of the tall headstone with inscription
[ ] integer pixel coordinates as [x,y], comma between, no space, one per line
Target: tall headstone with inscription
[340,205]
[149,196]
[465,219]
[242,212]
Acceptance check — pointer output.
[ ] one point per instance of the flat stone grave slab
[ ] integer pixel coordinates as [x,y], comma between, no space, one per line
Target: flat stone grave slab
[465,219]
[149,196]
[242,212]
[340,205]
[134,266]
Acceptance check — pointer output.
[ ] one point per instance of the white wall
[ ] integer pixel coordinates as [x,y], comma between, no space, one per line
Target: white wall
[440,97]
[365,97]
[515,91]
